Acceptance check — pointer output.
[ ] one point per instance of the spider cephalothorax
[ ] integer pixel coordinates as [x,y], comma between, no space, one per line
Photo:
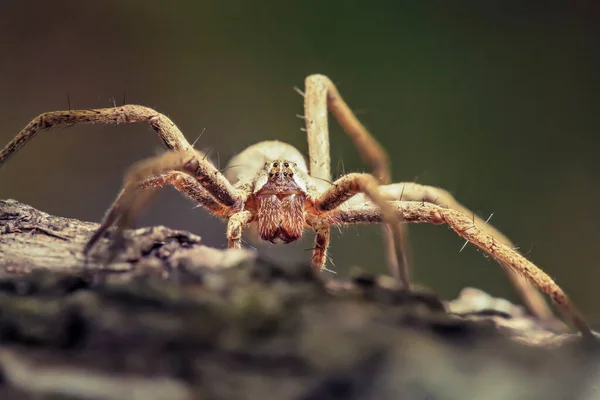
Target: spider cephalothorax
[268,187]
[279,195]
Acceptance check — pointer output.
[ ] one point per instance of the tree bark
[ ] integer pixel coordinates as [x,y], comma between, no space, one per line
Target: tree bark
[173,319]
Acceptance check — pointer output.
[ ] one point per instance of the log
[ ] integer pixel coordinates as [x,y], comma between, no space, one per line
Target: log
[170,318]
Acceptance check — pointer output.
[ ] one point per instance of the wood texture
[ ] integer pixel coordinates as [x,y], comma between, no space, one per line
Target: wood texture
[173,319]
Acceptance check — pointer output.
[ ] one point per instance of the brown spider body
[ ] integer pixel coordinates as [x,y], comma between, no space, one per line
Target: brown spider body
[269,188]
[280,203]
[275,174]
[281,219]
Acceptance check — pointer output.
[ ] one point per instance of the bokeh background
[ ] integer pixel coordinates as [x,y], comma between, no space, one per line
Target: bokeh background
[495,101]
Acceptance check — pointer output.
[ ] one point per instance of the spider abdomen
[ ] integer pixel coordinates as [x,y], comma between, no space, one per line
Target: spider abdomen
[281,217]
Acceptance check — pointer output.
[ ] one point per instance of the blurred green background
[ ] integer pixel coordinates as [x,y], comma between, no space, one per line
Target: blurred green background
[496,102]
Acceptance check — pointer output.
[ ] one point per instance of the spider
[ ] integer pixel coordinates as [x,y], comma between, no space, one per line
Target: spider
[279,196]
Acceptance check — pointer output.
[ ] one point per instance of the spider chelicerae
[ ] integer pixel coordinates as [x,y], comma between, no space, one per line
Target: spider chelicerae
[279,196]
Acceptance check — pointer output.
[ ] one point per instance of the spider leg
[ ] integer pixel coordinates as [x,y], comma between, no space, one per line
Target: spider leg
[198,178]
[235,225]
[220,196]
[462,224]
[322,238]
[352,184]
[167,131]
[322,94]
[182,182]
[410,191]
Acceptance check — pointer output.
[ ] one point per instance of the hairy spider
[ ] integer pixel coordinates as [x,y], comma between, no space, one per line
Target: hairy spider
[279,196]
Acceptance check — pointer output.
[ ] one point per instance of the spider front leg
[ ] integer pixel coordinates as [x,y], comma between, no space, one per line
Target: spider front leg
[167,131]
[183,183]
[410,191]
[322,238]
[211,189]
[462,224]
[321,95]
[348,186]
[235,225]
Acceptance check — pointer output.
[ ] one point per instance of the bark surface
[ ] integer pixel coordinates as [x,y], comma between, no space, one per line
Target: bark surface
[173,319]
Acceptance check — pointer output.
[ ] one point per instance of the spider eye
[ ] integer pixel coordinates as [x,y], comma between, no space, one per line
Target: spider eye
[286,165]
[275,165]
[291,174]
[270,174]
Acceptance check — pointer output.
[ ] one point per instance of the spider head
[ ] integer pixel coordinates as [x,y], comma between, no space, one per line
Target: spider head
[280,177]
[280,192]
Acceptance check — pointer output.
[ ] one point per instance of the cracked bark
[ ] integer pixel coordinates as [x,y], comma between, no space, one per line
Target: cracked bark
[173,319]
